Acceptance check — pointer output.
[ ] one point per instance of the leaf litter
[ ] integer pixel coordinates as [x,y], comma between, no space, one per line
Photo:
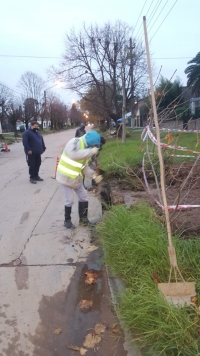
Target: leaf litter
[76,348]
[85,304]
[91,277]
[92,248]
[114,329]
[57,331]
[99,328]
[73,347]
[91,340]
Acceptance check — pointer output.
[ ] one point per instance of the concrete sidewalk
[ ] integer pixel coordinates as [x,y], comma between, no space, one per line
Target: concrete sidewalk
[43,265]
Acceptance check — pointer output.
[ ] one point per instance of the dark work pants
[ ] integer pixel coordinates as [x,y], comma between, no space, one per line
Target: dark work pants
[34,162]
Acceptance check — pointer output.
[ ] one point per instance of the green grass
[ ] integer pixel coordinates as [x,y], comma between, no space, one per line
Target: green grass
[135,244]
[10,138]
[115,155]
[190,141]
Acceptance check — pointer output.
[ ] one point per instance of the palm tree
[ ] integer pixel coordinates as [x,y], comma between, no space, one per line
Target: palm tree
[193,74]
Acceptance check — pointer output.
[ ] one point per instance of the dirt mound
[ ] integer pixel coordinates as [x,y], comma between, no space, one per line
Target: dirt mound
[182,188]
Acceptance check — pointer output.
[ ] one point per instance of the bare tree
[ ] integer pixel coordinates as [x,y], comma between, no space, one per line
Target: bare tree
[57,111]
[93,58]
[6,98]
[32,86]
[15,114]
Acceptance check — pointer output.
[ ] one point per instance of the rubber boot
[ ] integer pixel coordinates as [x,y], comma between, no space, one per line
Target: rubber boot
[83,213]
[68,224]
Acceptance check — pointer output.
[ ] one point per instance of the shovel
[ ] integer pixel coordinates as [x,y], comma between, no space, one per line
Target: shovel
[178,293]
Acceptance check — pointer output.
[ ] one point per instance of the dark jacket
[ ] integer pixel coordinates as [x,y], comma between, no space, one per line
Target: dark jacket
[80,132]
[33,141]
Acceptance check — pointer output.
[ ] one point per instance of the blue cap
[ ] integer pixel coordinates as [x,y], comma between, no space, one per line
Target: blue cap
[93,139]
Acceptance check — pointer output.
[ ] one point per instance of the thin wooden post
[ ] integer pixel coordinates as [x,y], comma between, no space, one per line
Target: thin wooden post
[171,250]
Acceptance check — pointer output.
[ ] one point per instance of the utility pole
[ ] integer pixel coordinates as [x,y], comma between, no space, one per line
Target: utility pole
[132,83]
[45,108]
[45,100]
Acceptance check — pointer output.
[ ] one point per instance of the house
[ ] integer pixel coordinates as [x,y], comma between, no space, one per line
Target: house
[140,117]
[46,123]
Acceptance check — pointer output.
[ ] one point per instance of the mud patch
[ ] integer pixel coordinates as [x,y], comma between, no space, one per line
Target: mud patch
[21,277]
[3,315]
[24,217]
[61,311]
[37,191]
[13,346]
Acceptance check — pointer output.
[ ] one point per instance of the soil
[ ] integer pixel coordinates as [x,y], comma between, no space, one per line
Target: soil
[186,222]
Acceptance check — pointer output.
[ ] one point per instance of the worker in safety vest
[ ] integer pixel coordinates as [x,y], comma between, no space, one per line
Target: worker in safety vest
[72,166]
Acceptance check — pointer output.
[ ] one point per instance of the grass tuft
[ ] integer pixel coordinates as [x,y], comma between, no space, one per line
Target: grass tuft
[135,244]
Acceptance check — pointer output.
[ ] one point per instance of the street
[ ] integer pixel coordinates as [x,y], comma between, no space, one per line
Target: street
[43,265]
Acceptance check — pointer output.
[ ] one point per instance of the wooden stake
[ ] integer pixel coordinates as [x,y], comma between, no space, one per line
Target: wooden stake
[171,250]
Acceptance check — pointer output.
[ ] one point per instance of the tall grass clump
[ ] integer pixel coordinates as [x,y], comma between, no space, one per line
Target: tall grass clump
[135,244]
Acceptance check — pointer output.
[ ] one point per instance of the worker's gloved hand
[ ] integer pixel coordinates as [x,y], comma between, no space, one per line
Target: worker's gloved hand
[97,178]
[94,151]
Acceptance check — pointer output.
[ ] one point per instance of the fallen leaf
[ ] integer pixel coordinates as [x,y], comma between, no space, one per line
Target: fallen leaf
[99,328]
[83,351]
[194,299]
[169,137]
[155,278]
[85,304]
[91,277]
[92,248]
[92,274]
[91,340]
[90,280]
[78,241]
[57,331]
[115,330]
[73,347]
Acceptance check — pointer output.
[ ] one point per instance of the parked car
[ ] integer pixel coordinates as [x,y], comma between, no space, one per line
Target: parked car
[21,128]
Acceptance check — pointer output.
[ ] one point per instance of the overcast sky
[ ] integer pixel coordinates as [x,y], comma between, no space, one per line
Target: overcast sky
[38,27]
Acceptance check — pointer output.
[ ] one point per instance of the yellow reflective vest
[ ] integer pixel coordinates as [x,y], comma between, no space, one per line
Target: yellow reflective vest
[69,167]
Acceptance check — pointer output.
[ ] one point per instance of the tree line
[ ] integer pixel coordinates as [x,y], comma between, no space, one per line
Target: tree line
[32,104]
[96,61]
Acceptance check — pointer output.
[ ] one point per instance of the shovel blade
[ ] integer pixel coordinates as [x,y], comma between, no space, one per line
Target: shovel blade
[178,293]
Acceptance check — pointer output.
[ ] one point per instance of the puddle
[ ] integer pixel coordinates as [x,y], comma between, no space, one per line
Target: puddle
[91,292]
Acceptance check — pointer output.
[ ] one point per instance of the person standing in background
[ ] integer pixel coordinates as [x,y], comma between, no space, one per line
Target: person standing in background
[33,146]
[80,131]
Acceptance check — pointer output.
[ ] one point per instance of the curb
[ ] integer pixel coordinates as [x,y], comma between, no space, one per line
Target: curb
[117,286]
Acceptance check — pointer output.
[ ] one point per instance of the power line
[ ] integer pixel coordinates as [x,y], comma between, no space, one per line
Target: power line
[37,57]
[172,58]
[158,15]
[140,13]
[5,86]
[155,9]
[10,88]
[163,20]
[139,31]
[159,2]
